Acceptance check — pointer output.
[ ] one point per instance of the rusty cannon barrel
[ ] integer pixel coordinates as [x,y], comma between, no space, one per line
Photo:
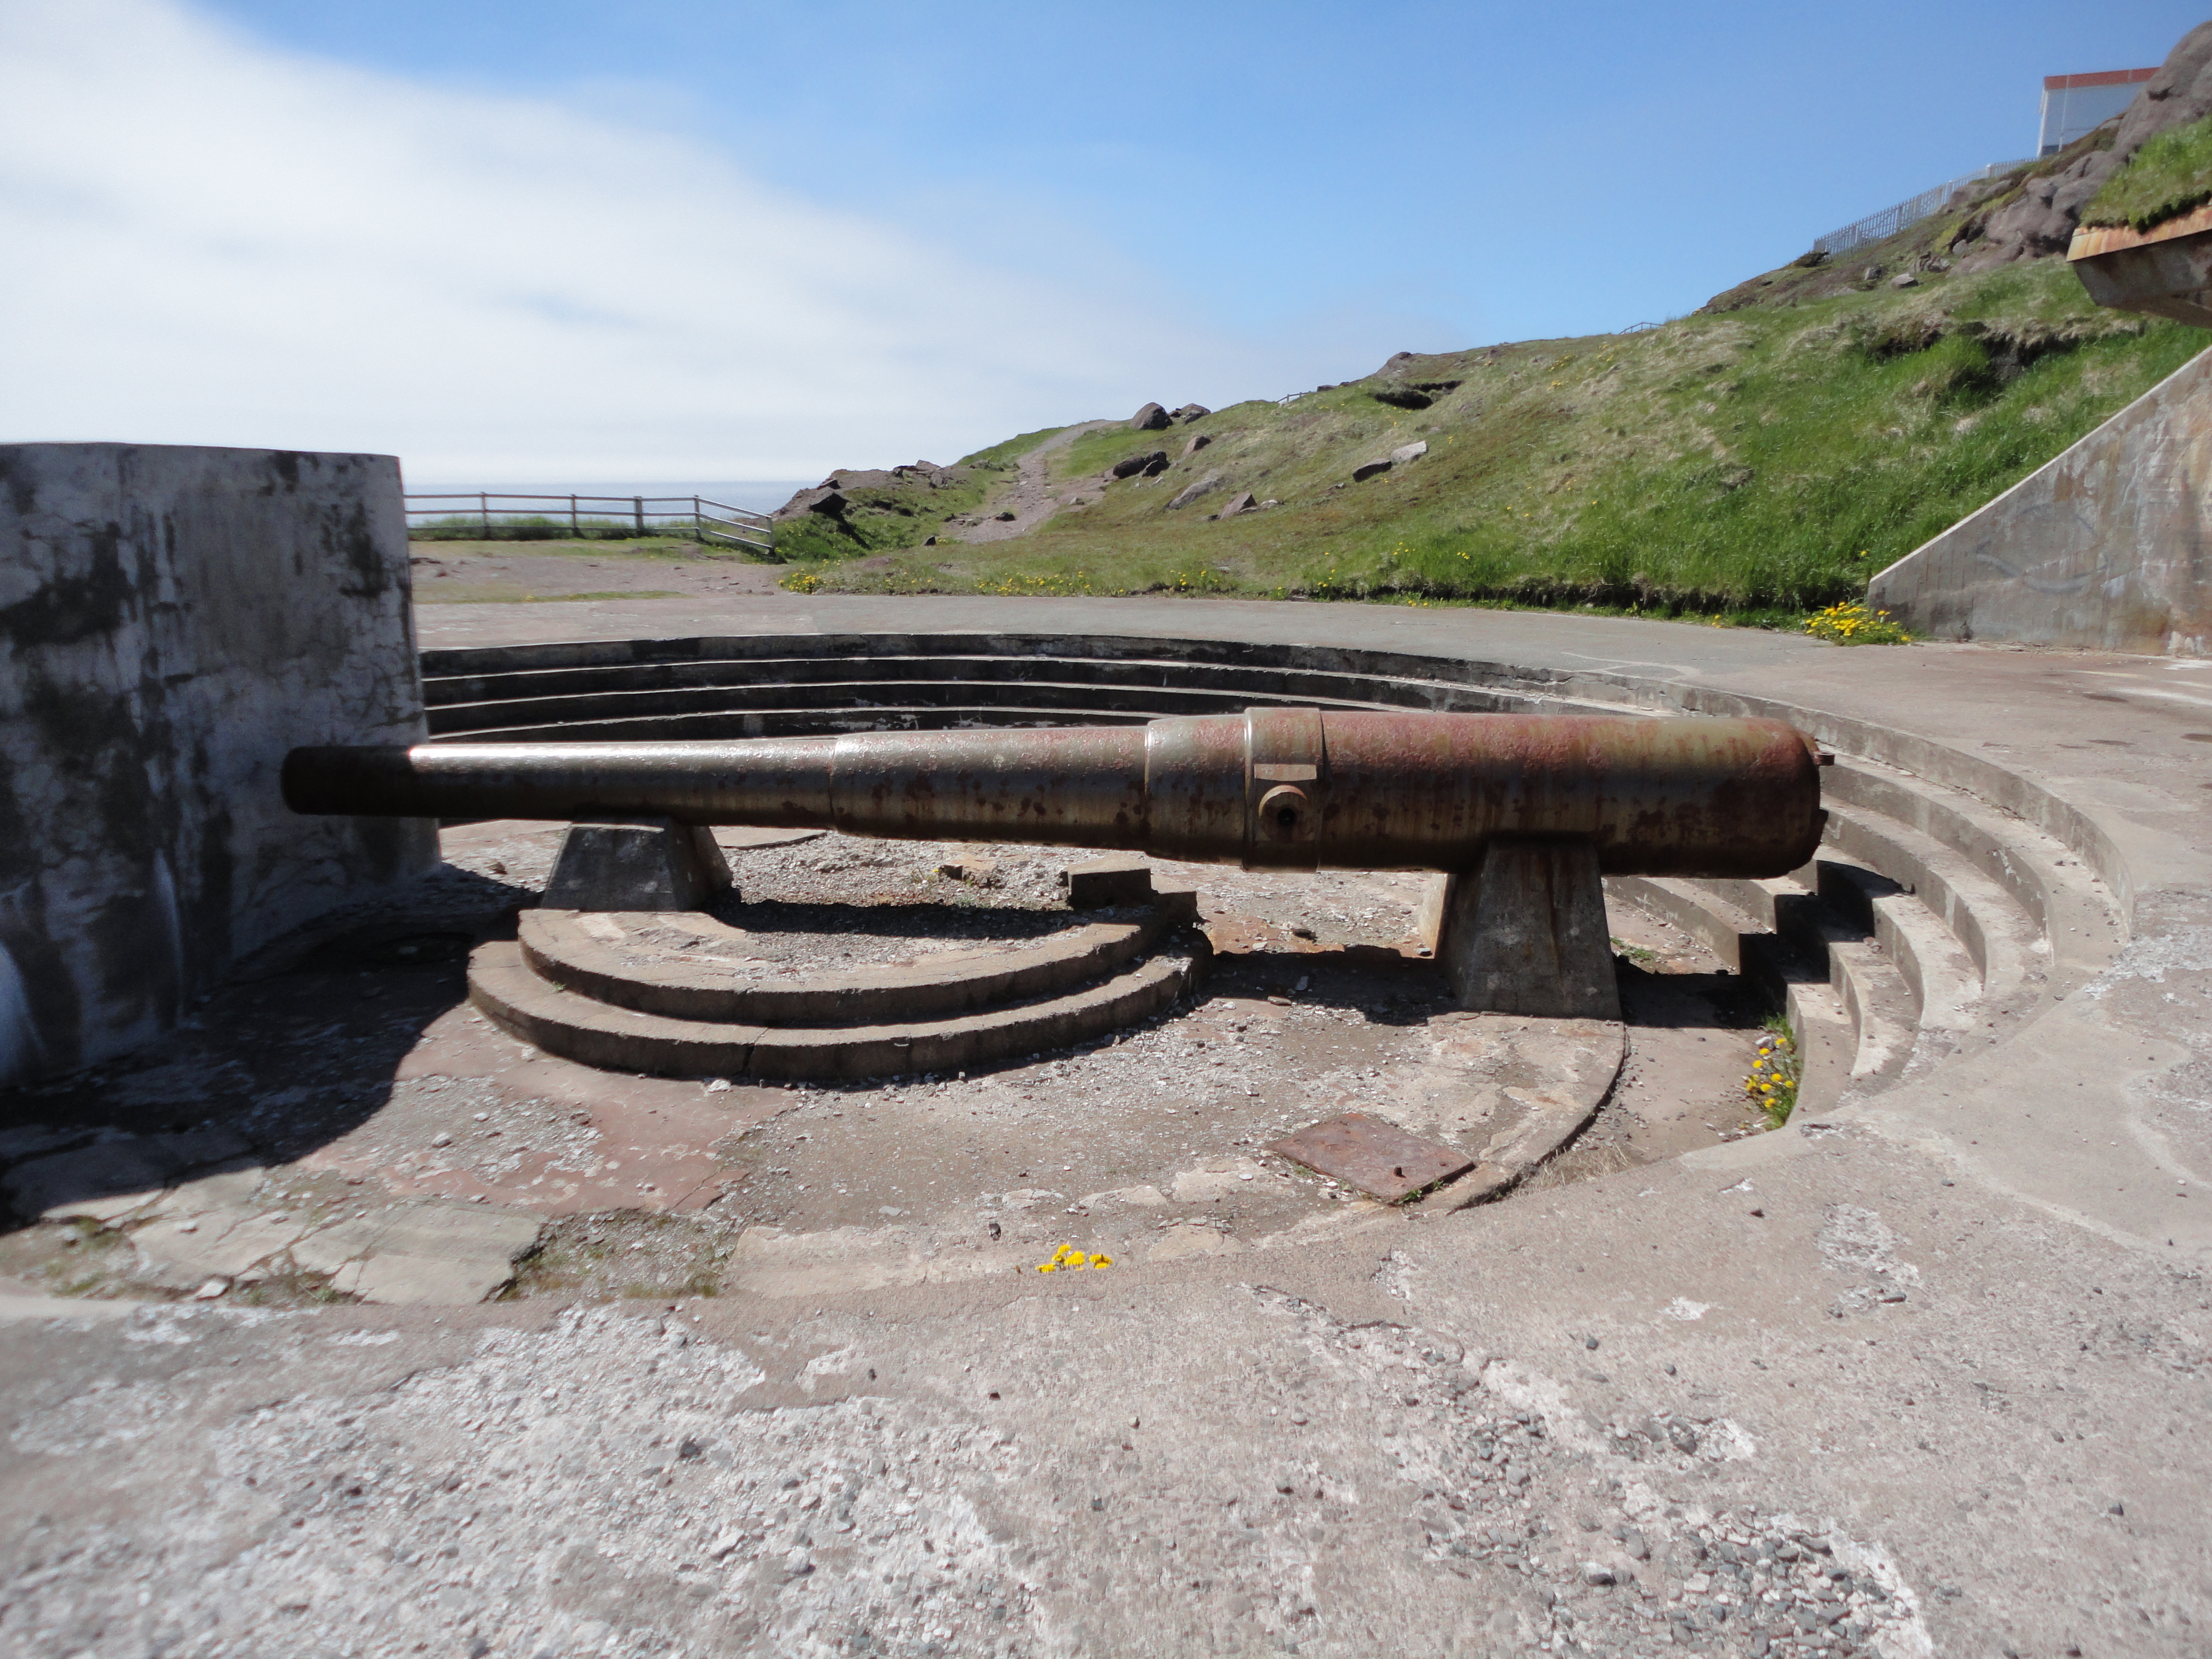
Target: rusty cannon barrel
[1272,788]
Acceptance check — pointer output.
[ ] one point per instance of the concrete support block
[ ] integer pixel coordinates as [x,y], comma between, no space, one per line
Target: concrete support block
[1525,932]
[637,863]
[1103,882]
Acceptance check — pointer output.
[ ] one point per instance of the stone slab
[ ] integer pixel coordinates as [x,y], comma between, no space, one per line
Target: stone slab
[1099,883]
[114,1177]
[433,1254]
[223,1243]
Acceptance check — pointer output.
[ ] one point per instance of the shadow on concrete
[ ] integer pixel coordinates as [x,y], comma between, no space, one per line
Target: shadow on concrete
[1718,1000]
[298,1048]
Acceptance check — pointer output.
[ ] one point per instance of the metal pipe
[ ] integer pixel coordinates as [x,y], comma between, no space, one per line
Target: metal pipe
[1283,788]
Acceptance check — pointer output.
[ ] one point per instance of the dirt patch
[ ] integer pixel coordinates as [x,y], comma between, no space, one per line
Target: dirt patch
[511,573]
[1031,499]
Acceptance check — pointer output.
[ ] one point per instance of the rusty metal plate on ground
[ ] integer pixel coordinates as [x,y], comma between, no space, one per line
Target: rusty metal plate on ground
[1379,1158]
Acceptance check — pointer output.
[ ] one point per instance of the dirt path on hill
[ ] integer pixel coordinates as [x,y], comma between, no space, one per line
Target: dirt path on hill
[1032,500]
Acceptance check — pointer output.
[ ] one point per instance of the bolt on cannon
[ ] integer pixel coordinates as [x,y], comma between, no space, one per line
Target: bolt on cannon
[1525,813]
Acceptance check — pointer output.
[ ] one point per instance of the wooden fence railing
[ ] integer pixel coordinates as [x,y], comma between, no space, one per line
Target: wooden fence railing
[640,515]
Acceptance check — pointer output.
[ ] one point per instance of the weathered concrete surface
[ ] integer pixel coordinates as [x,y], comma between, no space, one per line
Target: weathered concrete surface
[174,619]
[638,864]
[1524,933]
[2108,547]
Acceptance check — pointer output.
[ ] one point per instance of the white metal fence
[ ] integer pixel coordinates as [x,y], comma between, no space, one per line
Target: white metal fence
[638,515]
[1880,226]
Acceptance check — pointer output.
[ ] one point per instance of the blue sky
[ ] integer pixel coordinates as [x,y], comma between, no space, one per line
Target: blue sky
[684,240]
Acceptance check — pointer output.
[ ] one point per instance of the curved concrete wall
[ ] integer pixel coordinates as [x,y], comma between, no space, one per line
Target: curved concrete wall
[174,619]
[2108,547]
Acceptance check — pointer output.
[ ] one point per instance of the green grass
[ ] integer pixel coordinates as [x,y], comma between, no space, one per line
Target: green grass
[1751,465]
[2165,179]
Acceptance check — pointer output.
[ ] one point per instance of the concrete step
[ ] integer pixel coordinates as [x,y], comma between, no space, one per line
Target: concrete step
[1295,671]
[1796,984]
[1944,980]
[580,1028]
[1854,1017]
[1880,1006]
[1092,704]
[2001,937]
[586,953]
[2071,910]
[792,687]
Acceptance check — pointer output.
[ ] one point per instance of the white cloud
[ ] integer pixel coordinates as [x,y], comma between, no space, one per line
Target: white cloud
[209,241]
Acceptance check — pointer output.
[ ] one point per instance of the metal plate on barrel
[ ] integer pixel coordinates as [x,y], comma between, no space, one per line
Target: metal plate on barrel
[1378,1158]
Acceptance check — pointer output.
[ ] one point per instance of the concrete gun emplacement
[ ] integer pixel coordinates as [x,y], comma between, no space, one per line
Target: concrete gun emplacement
[1527,810]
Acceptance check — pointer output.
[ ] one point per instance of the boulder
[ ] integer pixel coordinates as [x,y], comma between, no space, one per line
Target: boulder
[1904,279]
[1373,469]
[821,499]
[1411,452]
[1150,418]
[1198,442]
[1242,503]
[1147,461]
[1190,412]
[1205,486]
[2181,91]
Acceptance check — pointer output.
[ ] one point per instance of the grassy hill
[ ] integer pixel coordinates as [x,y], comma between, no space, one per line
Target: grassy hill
[1754,460]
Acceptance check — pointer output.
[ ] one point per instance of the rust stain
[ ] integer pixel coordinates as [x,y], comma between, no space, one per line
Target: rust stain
[1376,1156]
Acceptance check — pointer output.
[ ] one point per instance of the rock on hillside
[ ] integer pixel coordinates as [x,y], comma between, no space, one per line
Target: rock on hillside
[2041,222]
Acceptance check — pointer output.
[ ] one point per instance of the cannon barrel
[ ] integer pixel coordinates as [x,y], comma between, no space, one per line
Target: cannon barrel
[1283,788]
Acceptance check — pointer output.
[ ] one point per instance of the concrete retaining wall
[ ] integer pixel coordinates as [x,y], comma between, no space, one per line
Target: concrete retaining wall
[171,621]
[2109,547]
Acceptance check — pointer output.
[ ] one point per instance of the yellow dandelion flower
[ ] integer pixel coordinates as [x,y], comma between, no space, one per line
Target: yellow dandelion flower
[1102,1260]
[1048,1267]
